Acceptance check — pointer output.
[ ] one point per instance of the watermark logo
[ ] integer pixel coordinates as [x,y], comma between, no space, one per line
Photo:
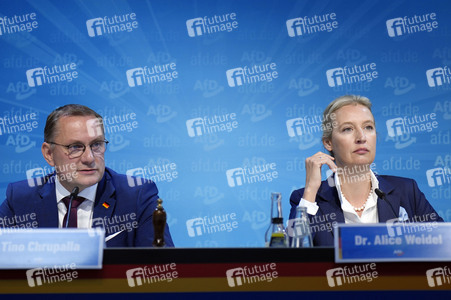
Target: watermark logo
[353,274]
[152,274]
[166,172]
[438,176]
[210,125]
[157,73]
[18,222]
[40,276]
[309,125]
[50,75]
[438,276]
[248,75]
[163,113]
[15,24]
[248,175]
[110,25]
[251,274]
[18,123]
[348,75]
[36,176]
[397,227]
[117,123]
[410,25]
[210,225]
[414,124]
[311,25]
[438,76]
[211,25]
[116,224]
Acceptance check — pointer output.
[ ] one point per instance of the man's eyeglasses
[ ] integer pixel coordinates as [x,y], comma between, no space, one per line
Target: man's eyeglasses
[77,149]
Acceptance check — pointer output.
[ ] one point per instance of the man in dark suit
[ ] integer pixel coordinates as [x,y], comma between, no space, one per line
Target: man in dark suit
[74,144]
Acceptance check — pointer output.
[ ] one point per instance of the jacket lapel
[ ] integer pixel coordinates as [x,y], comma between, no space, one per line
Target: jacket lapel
[105,201]
[329,204]
[45,205]
[384,210]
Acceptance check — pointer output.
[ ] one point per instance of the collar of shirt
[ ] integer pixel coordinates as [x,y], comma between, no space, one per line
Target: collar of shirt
[369,214]
[88,193]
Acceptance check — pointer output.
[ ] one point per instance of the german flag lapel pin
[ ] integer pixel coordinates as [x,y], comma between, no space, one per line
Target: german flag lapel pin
[105,204]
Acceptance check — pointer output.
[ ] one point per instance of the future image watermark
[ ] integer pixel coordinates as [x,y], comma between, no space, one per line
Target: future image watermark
[211,125]
[351,274]
[51,75]
[18,23]
[157,173]
[49,275]
[438,76]
[252,174]
[411,125]
[18,123]
[317,223]
[349,75]
[150,75]
[410,25]
[211,25]
[38,176]
[211,224]
[251,274]
[310,125]
[438,276]
[438,176]
[248,75]
[310,25]
[116,224]
[152,274]
[110,25]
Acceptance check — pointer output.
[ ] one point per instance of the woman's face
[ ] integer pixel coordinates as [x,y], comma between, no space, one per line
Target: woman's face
[353,140]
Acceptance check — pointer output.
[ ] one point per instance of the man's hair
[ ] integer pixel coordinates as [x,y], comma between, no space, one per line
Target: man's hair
[69,110]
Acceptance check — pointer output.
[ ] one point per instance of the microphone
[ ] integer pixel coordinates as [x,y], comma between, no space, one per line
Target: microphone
[73,195]
[383,196]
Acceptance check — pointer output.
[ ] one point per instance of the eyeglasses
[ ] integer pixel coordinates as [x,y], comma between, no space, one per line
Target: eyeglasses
[77,149]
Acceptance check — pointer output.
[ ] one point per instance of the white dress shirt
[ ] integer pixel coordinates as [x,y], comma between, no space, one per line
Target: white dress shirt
[369,214]
[84,210]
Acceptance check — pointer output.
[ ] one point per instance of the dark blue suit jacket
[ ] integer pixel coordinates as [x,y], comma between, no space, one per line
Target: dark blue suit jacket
[129,212]
[401,192]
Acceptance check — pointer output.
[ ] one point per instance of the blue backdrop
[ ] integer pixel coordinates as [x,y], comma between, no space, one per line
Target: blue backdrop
[219,102]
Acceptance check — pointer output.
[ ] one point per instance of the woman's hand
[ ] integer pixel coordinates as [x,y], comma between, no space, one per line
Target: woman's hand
[313,166]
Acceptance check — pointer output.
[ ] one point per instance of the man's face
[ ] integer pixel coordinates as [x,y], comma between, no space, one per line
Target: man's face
[83,171]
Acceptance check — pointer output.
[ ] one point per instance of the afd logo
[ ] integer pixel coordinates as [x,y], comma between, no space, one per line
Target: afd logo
[195,227]
[438,76]
[438,176]
[35,77]
[438,276]
[135,277]
[136,177]
[35,177]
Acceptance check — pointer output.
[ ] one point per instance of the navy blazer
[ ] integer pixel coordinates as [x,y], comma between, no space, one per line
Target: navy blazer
[118,208]
[400,192]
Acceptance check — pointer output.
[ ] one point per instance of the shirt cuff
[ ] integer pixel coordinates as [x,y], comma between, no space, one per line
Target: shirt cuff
[312,207]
